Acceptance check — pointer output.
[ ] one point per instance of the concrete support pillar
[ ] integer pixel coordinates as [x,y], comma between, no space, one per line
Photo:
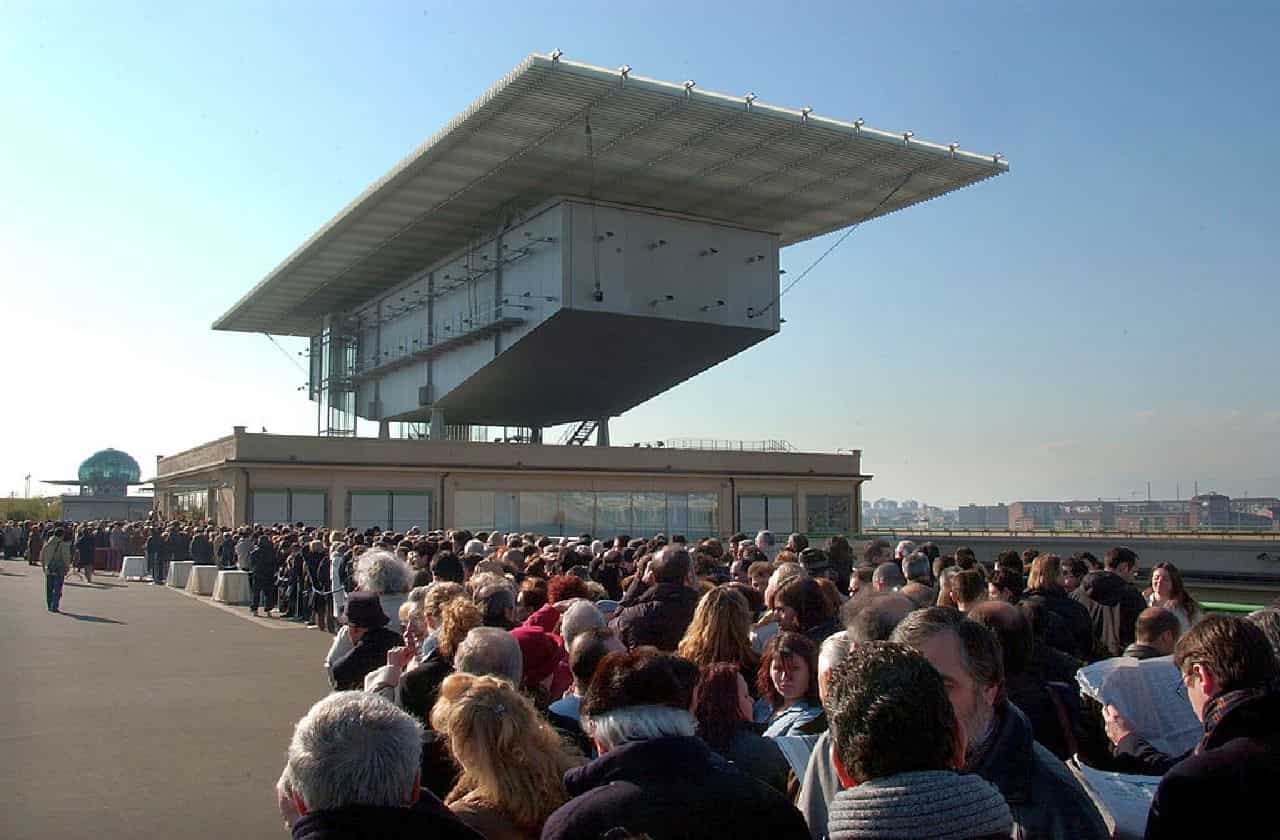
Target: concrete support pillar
[602,432]
[240,498]
[437,425]
[535,434]
[384,430]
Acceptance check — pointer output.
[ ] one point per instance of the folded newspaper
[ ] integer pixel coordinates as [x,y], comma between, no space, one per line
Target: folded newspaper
[1150,693]
[1123,799]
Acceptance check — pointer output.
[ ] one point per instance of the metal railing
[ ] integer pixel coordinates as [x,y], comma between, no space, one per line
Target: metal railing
[958,531]
[717,445]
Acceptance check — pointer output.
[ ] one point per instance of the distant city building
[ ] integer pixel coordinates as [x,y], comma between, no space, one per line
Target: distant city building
[1033,516]
[983,517]
[1210,510]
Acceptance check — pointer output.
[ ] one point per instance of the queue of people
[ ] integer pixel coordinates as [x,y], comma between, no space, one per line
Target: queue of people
[518,686]
[667,688]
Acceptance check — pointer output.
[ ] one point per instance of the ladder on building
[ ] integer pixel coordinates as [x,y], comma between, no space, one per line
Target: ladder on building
[581,433]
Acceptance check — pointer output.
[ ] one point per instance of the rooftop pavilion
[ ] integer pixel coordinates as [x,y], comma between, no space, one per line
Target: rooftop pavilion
[577,241]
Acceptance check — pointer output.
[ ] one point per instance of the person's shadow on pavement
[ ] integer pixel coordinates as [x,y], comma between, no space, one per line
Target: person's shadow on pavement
[96,619]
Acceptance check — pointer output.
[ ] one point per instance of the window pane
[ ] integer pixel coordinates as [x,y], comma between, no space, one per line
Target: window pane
[540,513]
[613,515]
[751,518]
[410,509]
[704,515]
[817,514]
[506,512]
[649,514]
[269,506]
[369,510]
[840,516]
[781,515]
[678,513]
[579,513]
[308,508]
[473,510]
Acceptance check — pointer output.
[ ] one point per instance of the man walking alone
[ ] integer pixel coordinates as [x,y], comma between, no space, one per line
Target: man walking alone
[55,559]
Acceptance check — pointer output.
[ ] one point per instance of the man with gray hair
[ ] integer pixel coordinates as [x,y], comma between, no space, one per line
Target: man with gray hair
[820,782]
[580,615]
[352,773]
[654,776]
[490,651]
[768,545]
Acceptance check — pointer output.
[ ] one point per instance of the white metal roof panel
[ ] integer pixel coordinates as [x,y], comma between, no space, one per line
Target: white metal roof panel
[655,144]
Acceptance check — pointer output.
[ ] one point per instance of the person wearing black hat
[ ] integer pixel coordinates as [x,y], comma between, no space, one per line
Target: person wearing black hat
[654,776]
[367,624]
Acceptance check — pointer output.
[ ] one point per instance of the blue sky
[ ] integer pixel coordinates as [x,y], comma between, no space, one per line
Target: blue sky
[1103,315]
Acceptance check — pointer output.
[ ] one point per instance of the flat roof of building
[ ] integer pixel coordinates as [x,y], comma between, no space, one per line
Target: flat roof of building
[555,127]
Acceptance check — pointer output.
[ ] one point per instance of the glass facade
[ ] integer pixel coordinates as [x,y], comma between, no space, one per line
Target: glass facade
[389,510]
[369,510]
[192,505]
[570,512]
[766,513]
[409,509]
[267,507]
[828,515]
[307,507]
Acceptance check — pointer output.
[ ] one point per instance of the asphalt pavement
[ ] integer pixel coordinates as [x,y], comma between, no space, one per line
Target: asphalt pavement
[144,712]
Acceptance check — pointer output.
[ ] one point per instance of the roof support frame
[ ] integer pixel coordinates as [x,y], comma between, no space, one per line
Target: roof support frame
[529,148]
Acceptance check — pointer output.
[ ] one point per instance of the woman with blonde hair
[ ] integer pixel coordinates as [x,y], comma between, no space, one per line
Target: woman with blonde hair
[512,762]
[721,632]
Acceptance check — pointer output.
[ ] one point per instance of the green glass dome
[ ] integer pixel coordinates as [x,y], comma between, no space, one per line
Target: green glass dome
[110,466]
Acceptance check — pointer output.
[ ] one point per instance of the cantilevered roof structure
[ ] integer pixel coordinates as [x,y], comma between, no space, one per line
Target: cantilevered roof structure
[554,127]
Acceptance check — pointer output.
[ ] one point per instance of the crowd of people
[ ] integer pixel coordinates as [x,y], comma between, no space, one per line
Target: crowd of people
[519,686]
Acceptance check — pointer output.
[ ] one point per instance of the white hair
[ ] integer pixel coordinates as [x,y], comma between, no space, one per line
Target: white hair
[354,748]
[834,650]
[638,723]
[490,651]
[581,615]
[384,573]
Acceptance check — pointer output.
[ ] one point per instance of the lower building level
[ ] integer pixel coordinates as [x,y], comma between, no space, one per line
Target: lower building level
[85,508]
[556,490]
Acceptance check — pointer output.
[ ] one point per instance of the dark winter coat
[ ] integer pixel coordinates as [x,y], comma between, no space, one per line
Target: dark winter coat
[177,546]
[1138,650]
[758,757]
[1068,627]
[1222,788]
[1046,799]
[227,553]
[263,563]
[659,617]
[84,550]
[428,818]
[1113,604]
[368,655]
[202,550]
[673,787]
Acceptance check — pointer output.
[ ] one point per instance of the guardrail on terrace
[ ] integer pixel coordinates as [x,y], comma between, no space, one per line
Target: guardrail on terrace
[1268,536]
